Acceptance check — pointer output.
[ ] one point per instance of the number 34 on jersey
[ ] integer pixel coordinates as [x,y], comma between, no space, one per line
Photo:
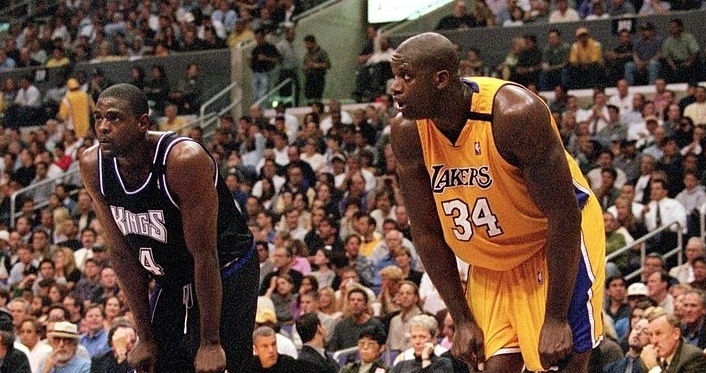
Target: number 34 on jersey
[466,218]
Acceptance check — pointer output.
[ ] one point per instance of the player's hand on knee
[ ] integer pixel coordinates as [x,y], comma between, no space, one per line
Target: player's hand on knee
[468,345]
[556,342]
[143,357]
[210,358]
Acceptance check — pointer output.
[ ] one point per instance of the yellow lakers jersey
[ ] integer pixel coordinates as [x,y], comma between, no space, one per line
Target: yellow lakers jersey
[487,214]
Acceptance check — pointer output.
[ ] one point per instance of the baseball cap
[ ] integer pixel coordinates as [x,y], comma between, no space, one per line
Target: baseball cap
[64,329]
[339,156]
[581,31]
[636,289]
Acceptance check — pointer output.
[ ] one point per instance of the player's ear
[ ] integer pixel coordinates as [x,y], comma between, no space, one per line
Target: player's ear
[441,78]
[145,122]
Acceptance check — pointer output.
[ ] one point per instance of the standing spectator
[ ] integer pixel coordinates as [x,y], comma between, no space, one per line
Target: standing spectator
[458,19]
[76,108]
[554,61]
[316,62]
[680,52]
[586,61]
[529,63]
[646,56]
[289,67]
[157,90]
[187,92]
[263,59]
[617,58]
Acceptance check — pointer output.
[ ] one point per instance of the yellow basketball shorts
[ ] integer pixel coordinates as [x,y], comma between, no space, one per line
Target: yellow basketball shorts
[509,306]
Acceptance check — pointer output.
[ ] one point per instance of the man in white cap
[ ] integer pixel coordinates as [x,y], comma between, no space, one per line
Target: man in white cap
[636,293]
[64,340]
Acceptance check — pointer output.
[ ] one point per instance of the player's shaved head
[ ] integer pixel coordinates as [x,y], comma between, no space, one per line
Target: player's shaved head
[430,51]
[129,93]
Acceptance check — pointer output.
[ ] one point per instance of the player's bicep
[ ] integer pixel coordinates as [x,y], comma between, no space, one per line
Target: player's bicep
[191,178]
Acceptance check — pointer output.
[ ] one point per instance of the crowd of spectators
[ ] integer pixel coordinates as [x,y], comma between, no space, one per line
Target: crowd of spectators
[322,200]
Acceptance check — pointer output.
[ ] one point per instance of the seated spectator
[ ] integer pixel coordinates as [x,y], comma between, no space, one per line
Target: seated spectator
[265,349]
[669,347]
[95,339]
[586,61]
[64,339]
[313,357]
[681,54]
[348,329]
[517,17]
[693,318]
[699,265]
[563,13]
[652,7]
[407,298]
[371,344]
[474,65]
[30,335]
[646,56]
[639,338]
[121,339]
[425,352]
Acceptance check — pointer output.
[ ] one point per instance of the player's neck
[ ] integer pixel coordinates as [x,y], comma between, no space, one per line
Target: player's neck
[453,114]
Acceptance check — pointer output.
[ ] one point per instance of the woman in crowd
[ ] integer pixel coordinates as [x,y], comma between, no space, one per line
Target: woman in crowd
[327,303]
[65,267]
[324,273]
[280,291]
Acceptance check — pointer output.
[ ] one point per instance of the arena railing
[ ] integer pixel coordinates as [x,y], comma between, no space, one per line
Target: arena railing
[14,214]
[643,251]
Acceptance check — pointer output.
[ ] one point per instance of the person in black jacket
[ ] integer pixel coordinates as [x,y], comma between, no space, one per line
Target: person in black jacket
[313,357]
[12,360]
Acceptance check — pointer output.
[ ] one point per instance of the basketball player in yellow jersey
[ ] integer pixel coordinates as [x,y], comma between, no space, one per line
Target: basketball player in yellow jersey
[487,157]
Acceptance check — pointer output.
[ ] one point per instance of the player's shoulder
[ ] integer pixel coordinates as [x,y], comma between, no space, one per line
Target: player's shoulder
[404,137]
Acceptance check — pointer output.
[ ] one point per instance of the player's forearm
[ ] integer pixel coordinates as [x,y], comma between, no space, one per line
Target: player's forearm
[440,264]
[207,280]
[134,282]
[563,253]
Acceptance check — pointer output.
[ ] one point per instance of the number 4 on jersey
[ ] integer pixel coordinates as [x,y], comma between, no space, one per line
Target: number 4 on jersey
[465,219]
[147,261]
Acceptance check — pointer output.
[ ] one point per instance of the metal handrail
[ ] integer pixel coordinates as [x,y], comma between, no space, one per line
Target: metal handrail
[643,252]
[217,96]
[40,204]
[276,89]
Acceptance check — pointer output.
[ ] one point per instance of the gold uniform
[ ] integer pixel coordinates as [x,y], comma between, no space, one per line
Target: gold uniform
[490,221]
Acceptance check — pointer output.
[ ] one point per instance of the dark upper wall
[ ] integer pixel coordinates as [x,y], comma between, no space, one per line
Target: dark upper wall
[215,67]
[494,43]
